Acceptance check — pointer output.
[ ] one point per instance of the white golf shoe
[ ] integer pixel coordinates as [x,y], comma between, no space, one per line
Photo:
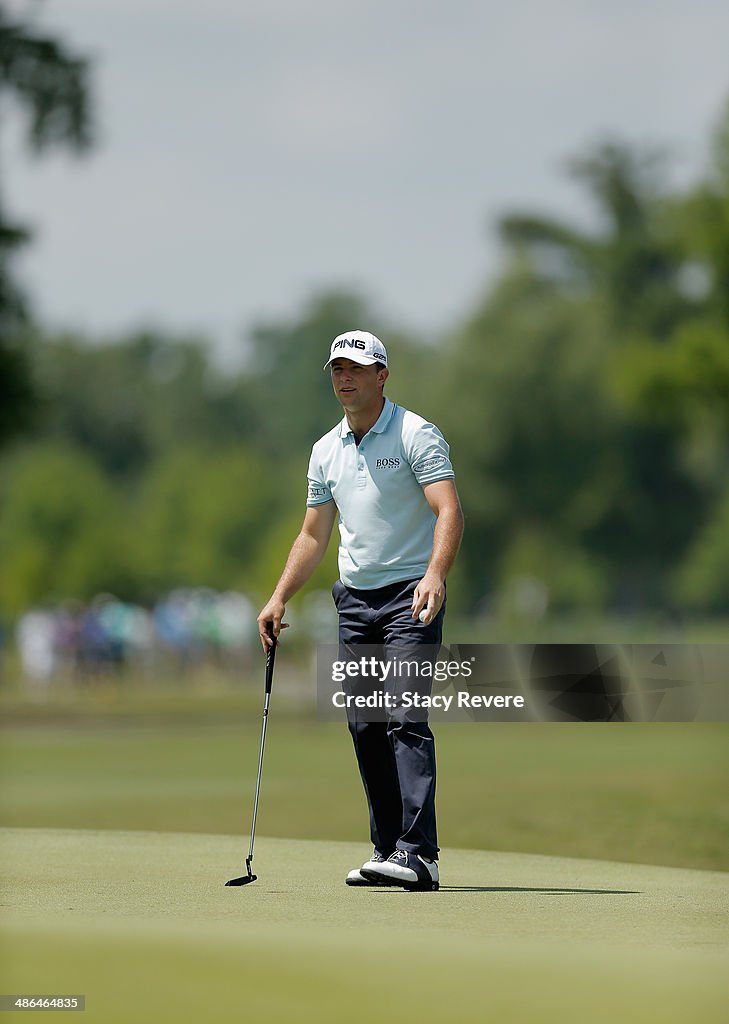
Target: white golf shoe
[356,876]
[409,870]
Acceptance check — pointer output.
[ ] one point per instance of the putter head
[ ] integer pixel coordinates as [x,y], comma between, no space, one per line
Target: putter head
[243,880]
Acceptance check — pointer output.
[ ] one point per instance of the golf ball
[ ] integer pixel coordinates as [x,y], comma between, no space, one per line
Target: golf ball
[423,615]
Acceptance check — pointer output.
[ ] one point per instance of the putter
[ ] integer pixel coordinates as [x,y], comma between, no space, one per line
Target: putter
[270,658]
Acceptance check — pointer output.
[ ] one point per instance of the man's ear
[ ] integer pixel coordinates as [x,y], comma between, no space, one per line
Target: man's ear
[382,376]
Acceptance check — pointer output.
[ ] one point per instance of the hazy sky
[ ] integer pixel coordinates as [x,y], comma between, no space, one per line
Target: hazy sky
[251,151]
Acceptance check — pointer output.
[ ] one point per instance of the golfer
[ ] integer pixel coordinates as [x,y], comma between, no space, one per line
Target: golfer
[385,474]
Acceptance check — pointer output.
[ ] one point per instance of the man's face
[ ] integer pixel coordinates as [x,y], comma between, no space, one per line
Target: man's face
[357,387]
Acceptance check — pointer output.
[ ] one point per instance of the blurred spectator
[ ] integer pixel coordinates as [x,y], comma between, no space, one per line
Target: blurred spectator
[194,626]
[35,636]
[198,625]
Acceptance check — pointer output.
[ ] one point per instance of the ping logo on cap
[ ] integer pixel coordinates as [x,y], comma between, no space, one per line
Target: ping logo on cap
[349,343]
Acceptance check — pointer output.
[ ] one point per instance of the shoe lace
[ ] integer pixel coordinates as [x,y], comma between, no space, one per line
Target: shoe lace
[399,855]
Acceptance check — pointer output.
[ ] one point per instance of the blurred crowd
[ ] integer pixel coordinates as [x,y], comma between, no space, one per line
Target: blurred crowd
[185,627]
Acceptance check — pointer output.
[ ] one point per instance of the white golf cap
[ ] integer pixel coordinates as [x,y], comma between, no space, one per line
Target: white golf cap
[359,346]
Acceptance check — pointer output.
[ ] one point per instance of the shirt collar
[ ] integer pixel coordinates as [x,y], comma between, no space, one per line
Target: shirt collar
[378,428]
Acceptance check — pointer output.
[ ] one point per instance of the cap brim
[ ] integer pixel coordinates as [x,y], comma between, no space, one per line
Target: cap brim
[363,360]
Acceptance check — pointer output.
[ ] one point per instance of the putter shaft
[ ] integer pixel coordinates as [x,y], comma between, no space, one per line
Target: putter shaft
[270,658]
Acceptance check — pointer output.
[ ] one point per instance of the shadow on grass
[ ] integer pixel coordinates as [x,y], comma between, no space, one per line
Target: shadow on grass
[520,888]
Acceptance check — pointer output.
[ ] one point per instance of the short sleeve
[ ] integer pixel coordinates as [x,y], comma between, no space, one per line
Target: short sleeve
[319,492]
[428,453]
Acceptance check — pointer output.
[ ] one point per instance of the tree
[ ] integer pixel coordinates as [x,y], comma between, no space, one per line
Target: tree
[151,392]
[633,260]
[681,384]
[702,218]
[202,514]
[702,581]
[49,83]
[687,376]
[530,432]
[62,530]
[565,478]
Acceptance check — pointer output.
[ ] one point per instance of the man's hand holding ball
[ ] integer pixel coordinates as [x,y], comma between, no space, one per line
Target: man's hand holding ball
[431,590]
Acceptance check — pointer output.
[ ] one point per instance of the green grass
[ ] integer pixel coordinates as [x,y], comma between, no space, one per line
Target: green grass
[142,925]
[647,793]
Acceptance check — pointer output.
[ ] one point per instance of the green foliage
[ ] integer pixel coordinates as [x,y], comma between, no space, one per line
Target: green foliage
[150,394]
[261,576]
[680,384]
[49,84]
[201,515]
[632,264]
[538,567]
[673,382]
[592,390]
[702,582]
[528,371]
[13,311]
[61,529]
[702,219]
[17,397]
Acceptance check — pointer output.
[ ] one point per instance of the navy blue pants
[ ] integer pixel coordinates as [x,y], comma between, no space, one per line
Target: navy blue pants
[396,757]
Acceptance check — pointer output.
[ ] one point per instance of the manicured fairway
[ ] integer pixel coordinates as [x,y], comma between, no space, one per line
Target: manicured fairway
[142,924]
[654,794]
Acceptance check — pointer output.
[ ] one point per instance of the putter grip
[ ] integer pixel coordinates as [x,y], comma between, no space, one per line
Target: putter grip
[270,657]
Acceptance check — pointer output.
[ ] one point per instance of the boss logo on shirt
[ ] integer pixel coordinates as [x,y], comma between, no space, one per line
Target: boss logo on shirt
[316,492]
[387,464]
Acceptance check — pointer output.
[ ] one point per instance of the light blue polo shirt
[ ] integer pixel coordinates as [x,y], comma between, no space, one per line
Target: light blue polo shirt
[385,523]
